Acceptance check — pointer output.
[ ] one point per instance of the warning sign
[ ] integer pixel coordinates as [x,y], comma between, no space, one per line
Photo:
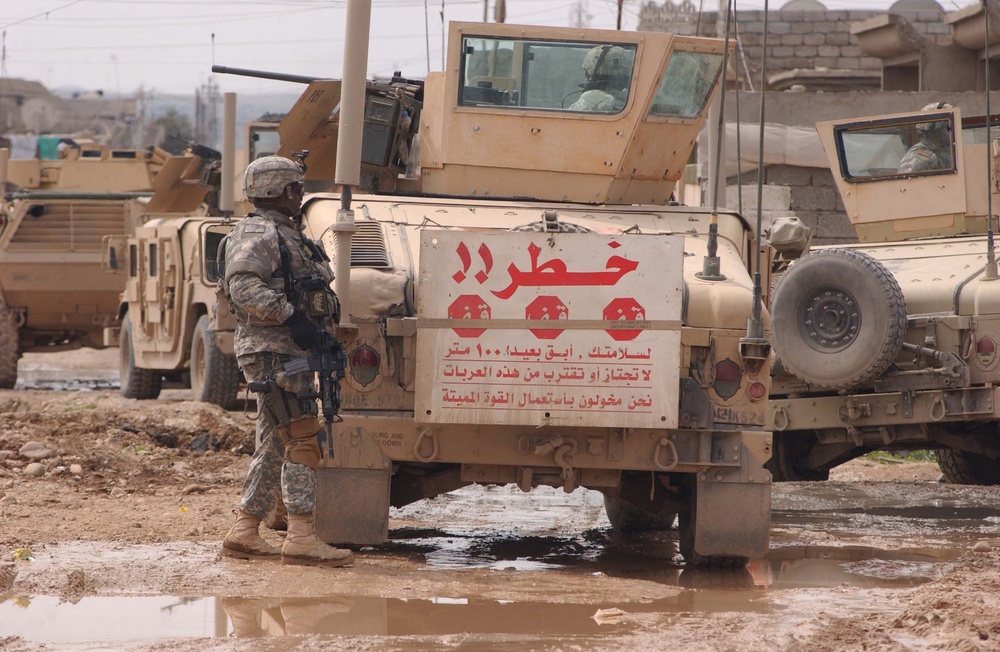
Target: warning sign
[561,329]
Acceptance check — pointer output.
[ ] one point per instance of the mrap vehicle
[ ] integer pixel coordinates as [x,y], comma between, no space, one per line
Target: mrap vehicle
[892,344]
[54,215]
[520,302]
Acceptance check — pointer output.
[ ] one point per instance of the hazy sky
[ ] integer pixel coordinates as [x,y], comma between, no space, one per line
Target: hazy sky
[167,45]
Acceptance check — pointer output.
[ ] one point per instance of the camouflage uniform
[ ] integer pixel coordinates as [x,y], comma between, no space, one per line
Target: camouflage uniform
[608,69]
[920,157]
[597,100]
[255,285]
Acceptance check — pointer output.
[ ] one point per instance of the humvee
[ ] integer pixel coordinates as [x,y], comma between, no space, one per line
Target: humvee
[525,306]
[162,326]
[892,344]
[55,214]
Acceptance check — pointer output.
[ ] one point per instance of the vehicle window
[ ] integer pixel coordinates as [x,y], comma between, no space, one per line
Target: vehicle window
[686,84]
[891,150]
[133,261]
[976,135]
[152,259]
[546,75]
[264,142]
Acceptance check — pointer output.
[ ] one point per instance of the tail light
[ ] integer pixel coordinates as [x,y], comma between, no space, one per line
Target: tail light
[757,390]
[728,376]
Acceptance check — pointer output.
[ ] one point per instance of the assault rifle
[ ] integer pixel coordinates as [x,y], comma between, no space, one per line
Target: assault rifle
[329,361]
[327,358]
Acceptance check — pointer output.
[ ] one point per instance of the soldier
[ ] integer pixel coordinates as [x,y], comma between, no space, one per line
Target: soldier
[278,285]
[933,149]
[609,70]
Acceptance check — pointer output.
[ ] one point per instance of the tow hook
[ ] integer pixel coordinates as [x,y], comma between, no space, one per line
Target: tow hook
[562,451]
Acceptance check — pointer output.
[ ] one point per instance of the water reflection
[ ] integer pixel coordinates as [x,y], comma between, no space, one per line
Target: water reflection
[129,619]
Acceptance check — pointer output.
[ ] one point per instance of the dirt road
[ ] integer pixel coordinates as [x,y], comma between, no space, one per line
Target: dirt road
[110,523]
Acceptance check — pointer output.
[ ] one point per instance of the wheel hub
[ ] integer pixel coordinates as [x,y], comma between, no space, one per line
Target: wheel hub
[831,321]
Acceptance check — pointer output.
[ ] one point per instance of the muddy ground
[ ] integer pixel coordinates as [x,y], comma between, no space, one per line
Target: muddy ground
[109,541]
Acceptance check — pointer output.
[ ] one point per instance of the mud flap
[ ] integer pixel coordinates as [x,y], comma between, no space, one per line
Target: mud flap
[352,491]
[732,519]
[352,506]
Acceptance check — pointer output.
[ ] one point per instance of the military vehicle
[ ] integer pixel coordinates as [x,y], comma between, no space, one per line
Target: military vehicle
[163,316]
[53,218]
[520,303]
[892,344]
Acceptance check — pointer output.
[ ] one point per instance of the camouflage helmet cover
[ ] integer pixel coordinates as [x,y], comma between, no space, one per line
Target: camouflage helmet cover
[935,129]
[608,61]
[268,176]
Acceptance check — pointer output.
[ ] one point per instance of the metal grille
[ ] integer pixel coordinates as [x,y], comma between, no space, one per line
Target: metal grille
[368,245]
[69,226]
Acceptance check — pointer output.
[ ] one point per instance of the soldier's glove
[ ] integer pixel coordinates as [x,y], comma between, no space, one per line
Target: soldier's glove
[305,334]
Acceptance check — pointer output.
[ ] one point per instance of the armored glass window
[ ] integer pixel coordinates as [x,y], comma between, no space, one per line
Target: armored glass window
[546,75]
[686,84]
[264,141]
[882,150]
[153,260]
[133,260]
[974,131]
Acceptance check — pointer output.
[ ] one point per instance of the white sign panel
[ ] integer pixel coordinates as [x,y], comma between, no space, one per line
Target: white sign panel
[564,329]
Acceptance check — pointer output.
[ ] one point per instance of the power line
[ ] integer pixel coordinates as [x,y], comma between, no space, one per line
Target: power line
[44,13]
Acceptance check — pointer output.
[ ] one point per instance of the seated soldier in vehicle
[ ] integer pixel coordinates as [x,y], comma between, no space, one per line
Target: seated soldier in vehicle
[609,70]
[933,149]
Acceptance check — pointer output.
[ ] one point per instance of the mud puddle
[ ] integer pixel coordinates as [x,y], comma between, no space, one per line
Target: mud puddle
[98,622]
[67,380]
[918,515]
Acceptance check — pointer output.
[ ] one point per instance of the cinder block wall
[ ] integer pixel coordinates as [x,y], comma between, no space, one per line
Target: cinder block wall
[795,39]
[807,193]
[806,40]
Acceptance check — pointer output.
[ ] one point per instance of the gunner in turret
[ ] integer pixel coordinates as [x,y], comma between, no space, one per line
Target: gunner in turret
[933,149]
[609,70]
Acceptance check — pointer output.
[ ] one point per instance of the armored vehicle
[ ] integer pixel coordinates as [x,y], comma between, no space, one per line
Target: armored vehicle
[891,344]
[520,302]
[53,217]
[164,312]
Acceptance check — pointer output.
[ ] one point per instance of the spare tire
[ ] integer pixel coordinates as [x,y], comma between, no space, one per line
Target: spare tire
[838,318]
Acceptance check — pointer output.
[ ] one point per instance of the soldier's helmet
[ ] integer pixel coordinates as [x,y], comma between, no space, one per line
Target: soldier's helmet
[268,176]
[936,130]
[608,62]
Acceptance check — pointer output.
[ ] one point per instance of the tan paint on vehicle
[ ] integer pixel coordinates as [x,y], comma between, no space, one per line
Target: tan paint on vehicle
[927,231]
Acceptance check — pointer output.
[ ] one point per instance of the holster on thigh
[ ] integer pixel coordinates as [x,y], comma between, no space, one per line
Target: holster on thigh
[301,442]
[282,407]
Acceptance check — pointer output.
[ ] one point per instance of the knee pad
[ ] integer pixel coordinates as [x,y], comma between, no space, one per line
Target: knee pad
[301,442]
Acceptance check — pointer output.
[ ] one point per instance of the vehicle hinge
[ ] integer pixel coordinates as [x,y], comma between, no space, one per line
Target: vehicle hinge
[695,406]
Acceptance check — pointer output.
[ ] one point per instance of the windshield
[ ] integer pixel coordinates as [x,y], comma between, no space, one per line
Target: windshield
[264,141]
[546,75]
[891,150]
[686,84]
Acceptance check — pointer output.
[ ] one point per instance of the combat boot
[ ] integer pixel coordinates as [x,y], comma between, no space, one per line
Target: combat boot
[301,546]
[277,518]
[243,539]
